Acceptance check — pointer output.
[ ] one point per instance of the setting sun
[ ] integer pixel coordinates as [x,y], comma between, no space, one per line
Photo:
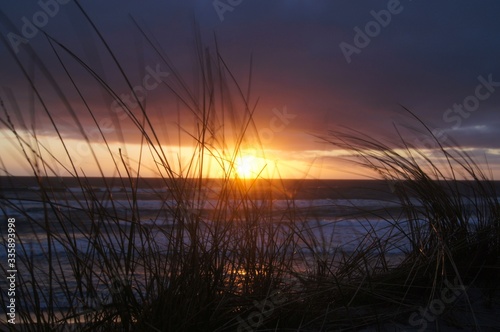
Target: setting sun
[249,166]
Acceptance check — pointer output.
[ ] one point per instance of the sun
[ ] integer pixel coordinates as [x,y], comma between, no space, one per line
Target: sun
[248,166]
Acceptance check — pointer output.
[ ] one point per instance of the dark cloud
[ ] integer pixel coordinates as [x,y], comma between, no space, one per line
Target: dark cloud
[428,58]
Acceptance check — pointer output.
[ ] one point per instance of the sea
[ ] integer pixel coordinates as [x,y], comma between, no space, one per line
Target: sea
[335,214]
[349,206]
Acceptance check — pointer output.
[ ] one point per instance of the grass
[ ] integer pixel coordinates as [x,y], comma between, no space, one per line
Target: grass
[102,266]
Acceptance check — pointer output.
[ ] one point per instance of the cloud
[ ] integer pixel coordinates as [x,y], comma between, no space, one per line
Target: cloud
[427,59]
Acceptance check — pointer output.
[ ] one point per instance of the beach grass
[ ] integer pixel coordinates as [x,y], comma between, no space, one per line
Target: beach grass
[238,263]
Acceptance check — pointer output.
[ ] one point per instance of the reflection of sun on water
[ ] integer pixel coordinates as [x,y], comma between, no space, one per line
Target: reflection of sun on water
[248,166]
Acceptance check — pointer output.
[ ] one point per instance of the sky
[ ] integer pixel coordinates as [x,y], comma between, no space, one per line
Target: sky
[316,67]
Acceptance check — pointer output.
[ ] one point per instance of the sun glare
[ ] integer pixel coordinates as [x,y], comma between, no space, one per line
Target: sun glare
[248,166]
